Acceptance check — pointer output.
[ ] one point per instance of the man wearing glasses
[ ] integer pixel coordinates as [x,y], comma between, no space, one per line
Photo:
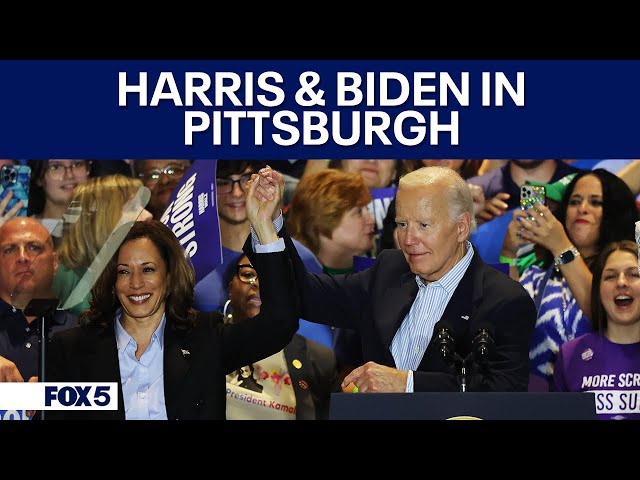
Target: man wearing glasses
[161,177]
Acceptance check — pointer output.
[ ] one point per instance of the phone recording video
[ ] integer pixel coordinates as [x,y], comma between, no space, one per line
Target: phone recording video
[530,195]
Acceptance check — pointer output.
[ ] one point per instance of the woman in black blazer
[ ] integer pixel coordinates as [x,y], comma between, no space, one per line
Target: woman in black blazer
[141,331]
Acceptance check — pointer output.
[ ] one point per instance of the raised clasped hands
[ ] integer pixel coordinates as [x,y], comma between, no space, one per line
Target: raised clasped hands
[374,378]
[264,199]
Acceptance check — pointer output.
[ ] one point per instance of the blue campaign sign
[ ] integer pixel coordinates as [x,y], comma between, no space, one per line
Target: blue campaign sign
[380,200]
[280,109]
[192,214]
[362,263]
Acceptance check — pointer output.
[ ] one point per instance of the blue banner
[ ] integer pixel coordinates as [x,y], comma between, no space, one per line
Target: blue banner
[192,214]
[278,109]
[380,200]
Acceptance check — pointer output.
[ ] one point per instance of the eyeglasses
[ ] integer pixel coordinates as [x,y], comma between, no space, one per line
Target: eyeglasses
[225,185]
[57,171]
[172,171]
[247,274]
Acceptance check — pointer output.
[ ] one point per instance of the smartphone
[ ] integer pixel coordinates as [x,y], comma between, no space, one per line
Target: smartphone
[15,178]
[530,195]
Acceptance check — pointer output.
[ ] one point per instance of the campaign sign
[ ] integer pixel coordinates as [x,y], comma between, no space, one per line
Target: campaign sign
[58,396]
[192,214]
[362,263]
[381,198]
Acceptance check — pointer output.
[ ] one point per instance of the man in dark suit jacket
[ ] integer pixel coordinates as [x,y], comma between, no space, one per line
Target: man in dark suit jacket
[411,298]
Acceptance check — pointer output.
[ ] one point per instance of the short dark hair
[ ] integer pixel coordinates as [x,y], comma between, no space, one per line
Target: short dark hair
[232,270]
[180,295]
[226,168]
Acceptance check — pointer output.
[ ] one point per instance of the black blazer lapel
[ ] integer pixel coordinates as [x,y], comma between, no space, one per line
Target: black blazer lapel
[102,360]
[177,357]
[396,303]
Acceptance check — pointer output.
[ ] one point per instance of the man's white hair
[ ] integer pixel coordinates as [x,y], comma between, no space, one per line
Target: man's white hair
[458,193]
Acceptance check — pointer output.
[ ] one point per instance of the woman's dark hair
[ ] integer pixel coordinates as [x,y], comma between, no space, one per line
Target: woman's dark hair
[180,294]
[226,168]
[619,211]
[36,192]
[598,315]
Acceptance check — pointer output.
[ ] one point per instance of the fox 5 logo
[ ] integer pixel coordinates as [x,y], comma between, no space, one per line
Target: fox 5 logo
[80,396]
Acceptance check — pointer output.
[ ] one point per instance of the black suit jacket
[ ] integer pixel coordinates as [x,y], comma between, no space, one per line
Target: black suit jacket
[195,383]
[375,302]
[314,377]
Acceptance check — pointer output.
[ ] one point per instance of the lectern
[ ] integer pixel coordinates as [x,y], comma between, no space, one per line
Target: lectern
[463,405]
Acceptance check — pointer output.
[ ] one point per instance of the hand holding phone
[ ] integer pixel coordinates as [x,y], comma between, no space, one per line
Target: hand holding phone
[15,179]
[530,195]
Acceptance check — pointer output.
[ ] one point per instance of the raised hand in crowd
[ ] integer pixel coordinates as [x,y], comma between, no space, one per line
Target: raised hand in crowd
[477,194]
[493,207]
[4,214]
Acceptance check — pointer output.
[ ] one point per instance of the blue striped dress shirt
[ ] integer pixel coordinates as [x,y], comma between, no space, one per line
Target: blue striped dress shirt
[412,338]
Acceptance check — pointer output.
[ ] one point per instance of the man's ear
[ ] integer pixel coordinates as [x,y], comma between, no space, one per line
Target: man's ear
[464,226]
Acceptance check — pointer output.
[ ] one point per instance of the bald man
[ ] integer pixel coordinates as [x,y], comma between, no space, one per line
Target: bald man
[28,264]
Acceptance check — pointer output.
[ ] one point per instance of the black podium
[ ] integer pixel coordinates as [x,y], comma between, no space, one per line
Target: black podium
[463,406]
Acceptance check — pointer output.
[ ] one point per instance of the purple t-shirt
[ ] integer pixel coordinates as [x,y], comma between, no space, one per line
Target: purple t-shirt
[592,363]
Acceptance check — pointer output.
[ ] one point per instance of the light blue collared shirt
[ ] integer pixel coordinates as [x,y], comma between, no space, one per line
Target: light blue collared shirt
[142,380]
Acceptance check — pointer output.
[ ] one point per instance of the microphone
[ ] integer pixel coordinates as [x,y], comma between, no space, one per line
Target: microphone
[445,342]
[447,347]
[483,345]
